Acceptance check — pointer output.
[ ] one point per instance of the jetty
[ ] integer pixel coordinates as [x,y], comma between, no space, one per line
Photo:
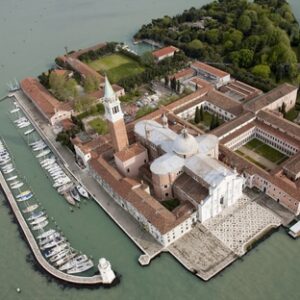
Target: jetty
[94,280]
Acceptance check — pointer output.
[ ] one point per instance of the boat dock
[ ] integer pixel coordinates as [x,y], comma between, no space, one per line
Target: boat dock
[94,280]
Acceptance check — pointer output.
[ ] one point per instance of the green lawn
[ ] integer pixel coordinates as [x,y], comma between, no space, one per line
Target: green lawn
[252,160]
[116,66]
[266,151]
[170,204]
[99,125]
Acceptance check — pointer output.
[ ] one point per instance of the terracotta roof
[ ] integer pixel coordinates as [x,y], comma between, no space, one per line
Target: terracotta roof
[76,54]
[209,69]
[200,82]
[224,102]
[188,72]
[42,98]
[83,68]
[130,152]
[292,165]
[266,99]
[164,51]
[60,72]
[130,190]
[277,122]
[96,144]
[233,124]
[67,124]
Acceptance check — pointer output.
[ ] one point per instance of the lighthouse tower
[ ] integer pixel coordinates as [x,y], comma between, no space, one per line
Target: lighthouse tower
[114,117]
[107,274]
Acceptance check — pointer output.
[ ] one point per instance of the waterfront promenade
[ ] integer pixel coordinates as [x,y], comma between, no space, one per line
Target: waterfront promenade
[94,280]
[143,240]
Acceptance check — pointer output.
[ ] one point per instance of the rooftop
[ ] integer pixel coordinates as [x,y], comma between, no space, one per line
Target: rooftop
[132,151]
[164,51]
[264,100]
[209,69]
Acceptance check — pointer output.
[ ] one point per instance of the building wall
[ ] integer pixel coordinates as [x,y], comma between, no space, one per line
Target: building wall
[82,156]
[130,167]
[221,196]
[118,135]
[288,99]
[59,116]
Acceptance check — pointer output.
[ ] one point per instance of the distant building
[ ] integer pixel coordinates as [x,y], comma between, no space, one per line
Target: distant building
[165,52]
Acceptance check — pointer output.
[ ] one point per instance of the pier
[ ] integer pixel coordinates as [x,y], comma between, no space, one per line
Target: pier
[94,280]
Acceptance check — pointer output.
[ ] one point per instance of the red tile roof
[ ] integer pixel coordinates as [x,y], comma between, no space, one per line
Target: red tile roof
[164,51]
[188,72]
[130,152]
[209,69]
[42,98]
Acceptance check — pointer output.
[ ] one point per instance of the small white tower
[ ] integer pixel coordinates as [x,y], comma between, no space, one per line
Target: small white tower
[107,274]
[164,120]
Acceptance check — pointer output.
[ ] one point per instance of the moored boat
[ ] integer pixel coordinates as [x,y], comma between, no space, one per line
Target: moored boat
[59,255]
[17,185]
[43,153]
[82,191]
[39,220]
[23,194]
[62,189]
[65,259]
[12,178]
[30,208]
[56,250]
[72,263]
[56,242]
[46,234]
[36,215]
[40,225]
[75,194]
[84,266]
[27,132]
[69,198]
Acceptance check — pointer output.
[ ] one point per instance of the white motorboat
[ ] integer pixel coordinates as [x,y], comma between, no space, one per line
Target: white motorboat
[8,166]
[5,161]
[40,225]
[65,259]
[84,266]
[24,124]
[46,234]
[61,182]
[59,255]
[48,239]
[55,170]
[53,243]
[23,194]
[58,176]
[72,263]
[27,132]
[8,171]
[20,120]
[39,220]
[82,191]
[64,188]
[39,147]
[47,162]
[25,198]
[56,250]
[43,153]
[35,143]
[69,198]
[14,110]
[17,185]
[51,166]
[75,194]
[12,178]
[36,215]
[30,208]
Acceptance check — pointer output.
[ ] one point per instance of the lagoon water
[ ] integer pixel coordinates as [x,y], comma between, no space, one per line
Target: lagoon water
[32,33]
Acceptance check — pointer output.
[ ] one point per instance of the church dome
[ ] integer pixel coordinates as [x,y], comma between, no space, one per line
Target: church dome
[185,144]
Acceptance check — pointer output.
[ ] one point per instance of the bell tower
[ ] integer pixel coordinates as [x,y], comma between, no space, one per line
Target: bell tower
[114,117]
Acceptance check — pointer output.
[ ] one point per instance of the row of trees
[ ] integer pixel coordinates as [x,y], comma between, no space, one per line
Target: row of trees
[199,117]
[174,84]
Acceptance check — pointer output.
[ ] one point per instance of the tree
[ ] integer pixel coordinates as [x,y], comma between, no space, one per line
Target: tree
[201,113]
[166,80]
[91,84]
[84,103]
[178,86]
[62,87]
[246,58]
[213,36]
[244,23]
[173,84]
[212,122]
[263,71]
[283,109]
[197,119]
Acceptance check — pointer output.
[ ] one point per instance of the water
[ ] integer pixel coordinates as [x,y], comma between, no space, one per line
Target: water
[32,33]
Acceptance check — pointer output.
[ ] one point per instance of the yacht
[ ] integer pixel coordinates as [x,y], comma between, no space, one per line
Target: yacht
[62,189]
[72,263]
[48,239]
[81,267]
[61,182]
[36,215]
[82,191]
[39,220]
[40,225]
[27,132]
[25,198]
[59,255]
[27,192]
[56,250]
[46,234]
[43,153]
[30,208]
[65,259]
[55,242]
[75,194]
[12,178]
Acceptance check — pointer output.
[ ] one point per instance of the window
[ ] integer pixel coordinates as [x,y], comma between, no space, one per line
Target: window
[222,200]
[167,194]
[128,170]
[115,109]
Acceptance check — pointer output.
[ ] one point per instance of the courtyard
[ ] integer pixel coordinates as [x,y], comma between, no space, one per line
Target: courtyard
[262,154]
[116,66]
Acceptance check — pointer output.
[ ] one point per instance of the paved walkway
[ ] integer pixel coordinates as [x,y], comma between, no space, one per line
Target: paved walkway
[260,159]
[241,224]
[147,244]
[35,248]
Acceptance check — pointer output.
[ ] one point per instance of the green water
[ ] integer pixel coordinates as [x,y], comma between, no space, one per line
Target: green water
[31,34]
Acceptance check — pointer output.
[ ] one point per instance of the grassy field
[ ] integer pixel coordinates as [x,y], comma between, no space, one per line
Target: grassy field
[266,151]
[99,125]
[252,160]
[116,66]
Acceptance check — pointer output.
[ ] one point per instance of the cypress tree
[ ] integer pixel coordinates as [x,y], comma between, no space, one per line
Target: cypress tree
[166,80]
[212,123]
[178,86]
[201,113]
[197,120]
